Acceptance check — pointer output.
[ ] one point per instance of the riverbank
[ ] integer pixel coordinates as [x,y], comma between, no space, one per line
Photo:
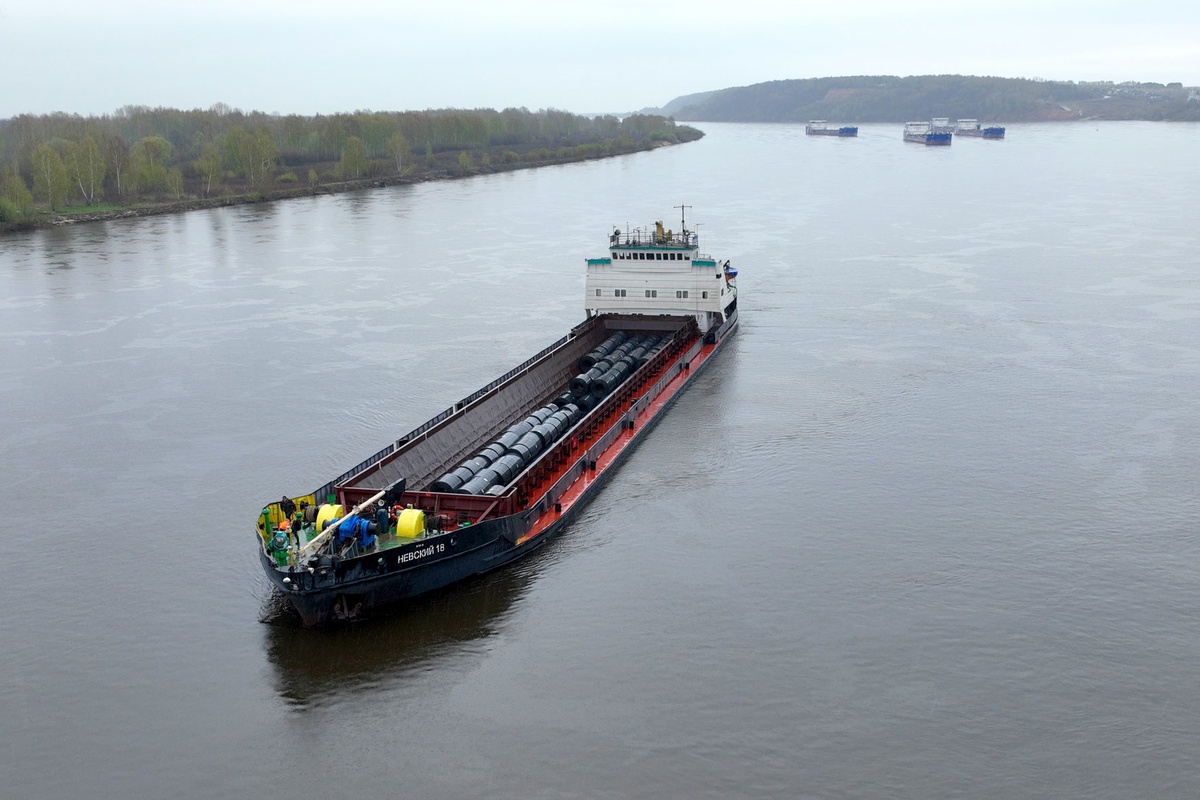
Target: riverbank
[423,173]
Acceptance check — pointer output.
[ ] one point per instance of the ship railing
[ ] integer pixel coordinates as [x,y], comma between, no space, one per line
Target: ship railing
[626,421]
[640,238]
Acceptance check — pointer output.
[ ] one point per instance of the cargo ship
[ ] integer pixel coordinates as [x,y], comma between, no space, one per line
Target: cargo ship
[819,127]
[926,133]
[500,472]
[972,127]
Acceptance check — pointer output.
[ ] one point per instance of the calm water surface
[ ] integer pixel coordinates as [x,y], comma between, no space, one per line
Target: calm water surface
[928,528]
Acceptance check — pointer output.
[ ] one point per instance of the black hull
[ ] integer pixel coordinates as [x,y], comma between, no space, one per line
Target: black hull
[353,588]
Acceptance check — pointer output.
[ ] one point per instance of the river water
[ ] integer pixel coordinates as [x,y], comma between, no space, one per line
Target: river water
[927,527]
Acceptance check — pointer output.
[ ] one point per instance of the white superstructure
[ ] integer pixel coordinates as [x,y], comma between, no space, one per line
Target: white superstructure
[659,271]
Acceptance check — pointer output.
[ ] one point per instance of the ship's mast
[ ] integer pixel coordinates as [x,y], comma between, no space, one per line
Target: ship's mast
[682,217]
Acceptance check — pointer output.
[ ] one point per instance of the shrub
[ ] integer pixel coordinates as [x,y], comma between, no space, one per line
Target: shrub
[8,211]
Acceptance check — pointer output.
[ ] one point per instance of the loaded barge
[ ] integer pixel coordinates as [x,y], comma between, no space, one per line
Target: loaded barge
[496,475]
[820,127]
[972,127]
[926,133]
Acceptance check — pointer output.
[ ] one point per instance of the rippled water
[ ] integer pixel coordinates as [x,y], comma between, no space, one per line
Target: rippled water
[926,529]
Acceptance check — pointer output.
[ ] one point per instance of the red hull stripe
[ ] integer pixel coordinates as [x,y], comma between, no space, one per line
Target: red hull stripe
[611,454]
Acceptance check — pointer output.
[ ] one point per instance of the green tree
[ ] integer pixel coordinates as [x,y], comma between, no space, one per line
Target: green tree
[8,211]
[148,163]
[354,158]
[175,182]
[252,155]
[14,190]
[399,150]
[50,179]
[208,166]
[237,150]
[261,154]
[116,154]
[86,166]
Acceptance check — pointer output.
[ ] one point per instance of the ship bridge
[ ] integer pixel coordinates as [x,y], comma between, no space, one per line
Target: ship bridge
[659,271]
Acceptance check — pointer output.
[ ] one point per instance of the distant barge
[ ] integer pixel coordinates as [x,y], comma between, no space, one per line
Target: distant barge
[926,133]
[819,127]
[499,473]
[972,127]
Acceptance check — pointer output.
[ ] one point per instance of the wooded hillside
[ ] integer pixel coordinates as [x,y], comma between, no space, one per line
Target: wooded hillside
[888,98]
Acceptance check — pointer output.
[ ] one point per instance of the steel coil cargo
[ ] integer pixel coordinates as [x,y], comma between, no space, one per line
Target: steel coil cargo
[547,432]
[532,441]
[506,468]
[605,347]
[491,475]
[447,483]
[538,416]
[477,485]
[491,452]
[610,380]
[564,419]
[580,383]
[509,466]
[507,438]
[476,463]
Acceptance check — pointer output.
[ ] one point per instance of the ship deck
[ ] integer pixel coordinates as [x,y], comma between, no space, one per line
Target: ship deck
[561,476]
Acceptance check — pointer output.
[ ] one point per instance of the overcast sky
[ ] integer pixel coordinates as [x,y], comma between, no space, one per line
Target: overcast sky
[310,56]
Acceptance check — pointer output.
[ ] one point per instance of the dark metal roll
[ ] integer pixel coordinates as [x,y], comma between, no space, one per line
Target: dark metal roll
[476,464]
[600,351]
[477,485]
[564,419]
[527,447]
[447,483]
[508,467]
[491,475]
[533,441]
[611,379]
[507,438]
[553,427]
[580,383]
[491,452]
[521,428]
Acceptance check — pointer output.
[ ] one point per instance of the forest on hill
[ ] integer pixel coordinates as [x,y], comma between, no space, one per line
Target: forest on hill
[888,98]
[141,159]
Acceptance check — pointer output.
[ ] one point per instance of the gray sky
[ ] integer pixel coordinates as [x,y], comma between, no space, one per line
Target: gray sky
[306,57]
